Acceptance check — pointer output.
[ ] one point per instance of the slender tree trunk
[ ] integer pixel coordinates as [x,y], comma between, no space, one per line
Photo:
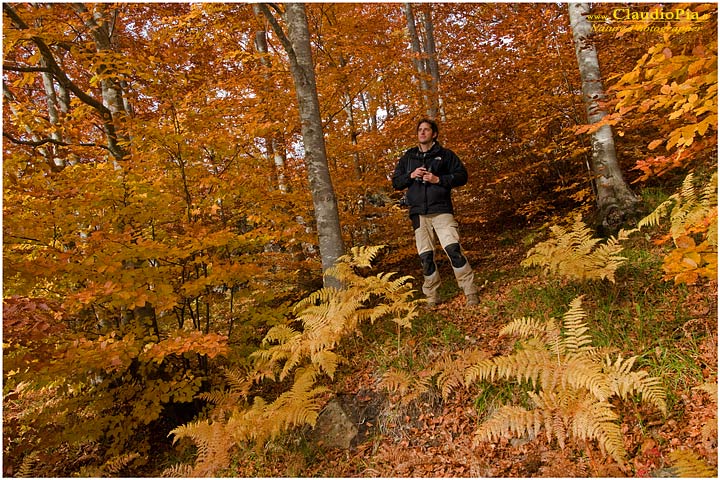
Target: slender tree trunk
[297,46]
[418,61]
[273,147]
[615,201]
[432,63]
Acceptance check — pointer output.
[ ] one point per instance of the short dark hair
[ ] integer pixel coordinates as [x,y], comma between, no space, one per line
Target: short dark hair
[433,125]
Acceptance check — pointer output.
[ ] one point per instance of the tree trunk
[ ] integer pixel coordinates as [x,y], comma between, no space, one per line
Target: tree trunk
[615,201]
[273,146]
[432,63]
[418,61]
[297,46]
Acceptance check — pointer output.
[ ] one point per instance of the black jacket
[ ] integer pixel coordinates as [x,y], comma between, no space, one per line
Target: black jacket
[428,198]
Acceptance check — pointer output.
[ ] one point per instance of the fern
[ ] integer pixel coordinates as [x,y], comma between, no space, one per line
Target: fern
[575,254]
[300,357]
[693,228]
[572,381]
[688,464]
[26,469]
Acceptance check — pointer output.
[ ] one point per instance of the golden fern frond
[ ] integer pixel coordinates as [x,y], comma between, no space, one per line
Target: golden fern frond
[328,316]
[485,369]
[280,334]
[181,470]
[327,361]
[300,405]
[238,380]
[113,466]
[451,371]
[554,406]
[510,421]
[525,365]
[624,382]
[576,254]
[656,216]
[576,337]
[217,397]
[324,295]
[213,445]
[362,256]
[525,327]
[688,208]
[28,465]
[688,464]
[581,373]
[598,421]
[397,381]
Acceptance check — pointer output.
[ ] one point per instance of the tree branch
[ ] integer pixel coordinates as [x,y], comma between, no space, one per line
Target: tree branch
[278,30]
[24,68]
[57,72]
[44,141]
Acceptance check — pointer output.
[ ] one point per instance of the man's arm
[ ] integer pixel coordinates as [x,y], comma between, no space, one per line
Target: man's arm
[457,176]
[401,177]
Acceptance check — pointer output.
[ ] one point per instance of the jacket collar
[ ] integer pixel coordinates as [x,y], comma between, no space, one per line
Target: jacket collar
[434,148]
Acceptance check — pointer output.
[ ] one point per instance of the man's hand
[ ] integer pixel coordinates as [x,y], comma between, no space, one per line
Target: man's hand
[419,173]
[430,178]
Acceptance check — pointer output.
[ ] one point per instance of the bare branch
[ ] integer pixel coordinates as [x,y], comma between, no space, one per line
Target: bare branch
[14,67]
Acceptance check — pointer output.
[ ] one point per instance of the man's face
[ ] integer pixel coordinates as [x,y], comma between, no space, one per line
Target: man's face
[425,134]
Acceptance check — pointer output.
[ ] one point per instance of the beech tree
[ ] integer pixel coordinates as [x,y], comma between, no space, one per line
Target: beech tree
[615,201]
[297,47]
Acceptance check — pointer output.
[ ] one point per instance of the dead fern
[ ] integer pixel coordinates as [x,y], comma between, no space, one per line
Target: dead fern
[111,468]
[300,358]
[687,464]
[330,314]
[693,228]
[445,374]
[574,253]
[573,383]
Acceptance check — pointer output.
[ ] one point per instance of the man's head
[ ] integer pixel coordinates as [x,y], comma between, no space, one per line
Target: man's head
[427,131]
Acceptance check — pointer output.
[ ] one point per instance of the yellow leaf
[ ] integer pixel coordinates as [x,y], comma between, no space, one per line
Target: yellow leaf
[685,242]
[692,259]
[654,144]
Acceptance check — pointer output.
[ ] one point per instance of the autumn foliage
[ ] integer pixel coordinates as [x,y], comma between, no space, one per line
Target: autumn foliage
[158,226]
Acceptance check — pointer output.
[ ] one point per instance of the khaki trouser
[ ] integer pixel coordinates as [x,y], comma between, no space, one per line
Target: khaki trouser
[445,227]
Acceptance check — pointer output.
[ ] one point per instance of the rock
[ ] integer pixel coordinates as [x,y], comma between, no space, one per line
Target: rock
[348,419]
[334,428]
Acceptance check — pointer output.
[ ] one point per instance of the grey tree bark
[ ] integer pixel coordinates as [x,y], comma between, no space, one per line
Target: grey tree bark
[431,110]
[432,62]
[66,85]
[297,47]
[616,203]
[273,145]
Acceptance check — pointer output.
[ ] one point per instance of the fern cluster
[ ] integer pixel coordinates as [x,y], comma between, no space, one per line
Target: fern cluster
[575,254]
[693,228]
[306,355]
[447,374]
[573,384]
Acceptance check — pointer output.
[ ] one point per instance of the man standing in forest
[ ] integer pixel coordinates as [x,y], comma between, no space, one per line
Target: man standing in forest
[429,172]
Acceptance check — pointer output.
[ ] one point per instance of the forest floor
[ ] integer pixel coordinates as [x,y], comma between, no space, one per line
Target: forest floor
[433,437]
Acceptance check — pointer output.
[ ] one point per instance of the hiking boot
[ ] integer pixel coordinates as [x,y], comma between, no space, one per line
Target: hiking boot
[472,299]
[432,302]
